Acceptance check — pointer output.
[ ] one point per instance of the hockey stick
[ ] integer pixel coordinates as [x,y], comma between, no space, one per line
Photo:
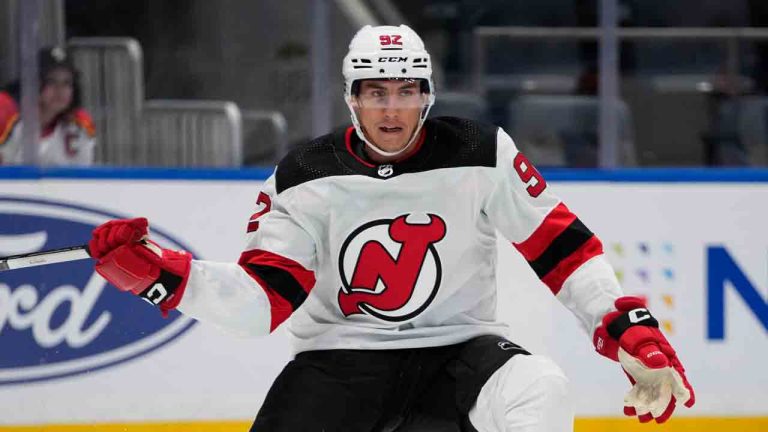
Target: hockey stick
[51,256]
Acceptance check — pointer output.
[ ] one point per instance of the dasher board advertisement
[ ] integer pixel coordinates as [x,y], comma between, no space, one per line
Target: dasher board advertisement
[75,350]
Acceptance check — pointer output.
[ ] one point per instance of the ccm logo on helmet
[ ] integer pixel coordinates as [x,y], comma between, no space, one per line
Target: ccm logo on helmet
[393,59]
[390,268]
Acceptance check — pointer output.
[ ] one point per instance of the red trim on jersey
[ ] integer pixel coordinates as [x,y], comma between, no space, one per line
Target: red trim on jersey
[416,146]
[348,143]
[50,128]
[550,228]
[281,308]
[84,120]
[9,116]
[555,279]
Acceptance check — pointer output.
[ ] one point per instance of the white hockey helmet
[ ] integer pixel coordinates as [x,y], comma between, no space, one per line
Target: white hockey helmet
[387,52]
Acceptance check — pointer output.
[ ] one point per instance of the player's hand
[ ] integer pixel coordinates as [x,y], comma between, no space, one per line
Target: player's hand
[130,261]
[631,336]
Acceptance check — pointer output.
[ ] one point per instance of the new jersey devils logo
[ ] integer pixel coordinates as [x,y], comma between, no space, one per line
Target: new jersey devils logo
[390,268]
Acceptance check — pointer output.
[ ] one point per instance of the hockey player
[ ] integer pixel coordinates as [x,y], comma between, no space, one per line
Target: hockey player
[67,133]
[379,241]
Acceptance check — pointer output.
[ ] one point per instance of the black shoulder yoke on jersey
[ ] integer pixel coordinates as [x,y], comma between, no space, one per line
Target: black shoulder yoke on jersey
[449,142]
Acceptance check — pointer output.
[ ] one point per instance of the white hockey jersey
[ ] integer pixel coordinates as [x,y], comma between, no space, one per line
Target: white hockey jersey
[399,255]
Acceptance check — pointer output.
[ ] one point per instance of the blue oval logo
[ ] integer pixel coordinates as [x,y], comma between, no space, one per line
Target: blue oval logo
[64,319]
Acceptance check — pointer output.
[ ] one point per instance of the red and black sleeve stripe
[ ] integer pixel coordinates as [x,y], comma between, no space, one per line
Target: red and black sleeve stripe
[286,282]
[560,245]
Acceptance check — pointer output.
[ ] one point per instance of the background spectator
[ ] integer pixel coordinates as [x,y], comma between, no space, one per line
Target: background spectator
[67,133]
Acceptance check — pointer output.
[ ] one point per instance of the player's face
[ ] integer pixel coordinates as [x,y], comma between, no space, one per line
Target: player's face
[389,111]
[58,90]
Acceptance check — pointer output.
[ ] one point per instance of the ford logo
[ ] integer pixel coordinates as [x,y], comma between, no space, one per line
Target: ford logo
[62,319]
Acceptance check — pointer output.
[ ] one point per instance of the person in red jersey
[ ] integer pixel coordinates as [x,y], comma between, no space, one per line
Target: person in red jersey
[379,242]
[67,132]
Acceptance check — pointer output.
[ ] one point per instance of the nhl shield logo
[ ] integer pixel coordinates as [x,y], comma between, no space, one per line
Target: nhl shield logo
[386,170]
[390,268]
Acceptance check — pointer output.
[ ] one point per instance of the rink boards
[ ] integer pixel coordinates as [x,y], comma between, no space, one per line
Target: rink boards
[74,351]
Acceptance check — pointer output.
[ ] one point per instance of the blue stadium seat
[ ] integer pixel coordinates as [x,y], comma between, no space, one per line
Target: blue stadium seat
[563,130]
[746,120]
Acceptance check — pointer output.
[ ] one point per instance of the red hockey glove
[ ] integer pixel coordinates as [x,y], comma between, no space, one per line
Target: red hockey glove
[131,262]
[631,336]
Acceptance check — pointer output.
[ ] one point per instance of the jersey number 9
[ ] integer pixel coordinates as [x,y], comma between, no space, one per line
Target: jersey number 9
[529,175]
